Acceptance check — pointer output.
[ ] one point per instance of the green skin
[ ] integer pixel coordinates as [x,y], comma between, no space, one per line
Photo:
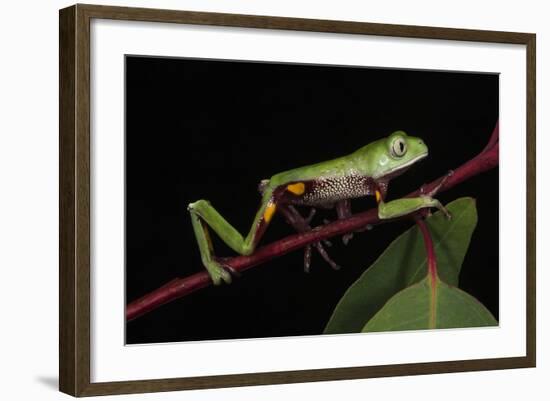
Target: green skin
[366,171]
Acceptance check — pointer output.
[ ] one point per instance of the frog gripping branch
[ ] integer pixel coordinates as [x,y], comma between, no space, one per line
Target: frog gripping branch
[179,287]
[329,184]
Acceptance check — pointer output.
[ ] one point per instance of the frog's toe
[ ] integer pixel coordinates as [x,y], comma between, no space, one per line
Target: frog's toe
[443,209]
[321,249]
[347,238]
[218,274]
[325,256]
[307,258]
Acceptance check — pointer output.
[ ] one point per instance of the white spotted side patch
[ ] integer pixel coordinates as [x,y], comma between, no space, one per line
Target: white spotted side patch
[333,189]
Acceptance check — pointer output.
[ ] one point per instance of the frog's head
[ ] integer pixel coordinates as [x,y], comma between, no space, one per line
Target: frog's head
[391,156]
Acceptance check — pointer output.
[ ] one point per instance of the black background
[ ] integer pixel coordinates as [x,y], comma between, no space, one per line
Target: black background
[204,129]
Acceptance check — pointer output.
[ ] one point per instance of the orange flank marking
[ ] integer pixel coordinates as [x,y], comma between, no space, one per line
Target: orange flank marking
[269,211]
[378,196]
[297,189]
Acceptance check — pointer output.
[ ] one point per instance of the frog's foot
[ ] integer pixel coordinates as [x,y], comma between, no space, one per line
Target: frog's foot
[301,224]
[443,209]
[431,202]
[219,272]
[347,238]
[322,252]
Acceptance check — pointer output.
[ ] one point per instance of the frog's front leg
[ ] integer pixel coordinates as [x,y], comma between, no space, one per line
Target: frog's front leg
[401,207]
[203,214]
[404,206]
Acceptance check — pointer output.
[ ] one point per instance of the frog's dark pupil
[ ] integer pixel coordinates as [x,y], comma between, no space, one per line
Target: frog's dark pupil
[401,146]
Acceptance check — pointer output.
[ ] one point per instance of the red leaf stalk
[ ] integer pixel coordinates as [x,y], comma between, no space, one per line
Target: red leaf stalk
[430,253]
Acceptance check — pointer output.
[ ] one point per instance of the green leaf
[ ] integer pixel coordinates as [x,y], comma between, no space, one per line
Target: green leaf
[403,263]
[422,307]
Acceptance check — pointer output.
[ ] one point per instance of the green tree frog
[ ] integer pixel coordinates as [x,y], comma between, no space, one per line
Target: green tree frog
[332,183]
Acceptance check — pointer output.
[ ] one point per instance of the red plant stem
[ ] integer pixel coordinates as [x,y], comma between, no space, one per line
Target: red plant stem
[180,287]
[430,253]
[432,268]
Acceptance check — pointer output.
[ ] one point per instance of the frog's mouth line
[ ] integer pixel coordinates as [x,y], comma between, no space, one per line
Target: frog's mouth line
[401,169]
[418,158]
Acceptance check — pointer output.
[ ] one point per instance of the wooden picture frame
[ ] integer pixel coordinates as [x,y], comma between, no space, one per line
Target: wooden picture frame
[75,171]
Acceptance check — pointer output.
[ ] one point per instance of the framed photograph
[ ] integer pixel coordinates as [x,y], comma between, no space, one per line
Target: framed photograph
[251,200]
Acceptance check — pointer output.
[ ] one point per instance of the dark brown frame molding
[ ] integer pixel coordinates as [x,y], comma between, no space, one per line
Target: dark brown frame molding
[74,203]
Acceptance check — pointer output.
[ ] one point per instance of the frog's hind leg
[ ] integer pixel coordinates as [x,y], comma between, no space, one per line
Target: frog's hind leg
[203,215]
[301,224]
[343,211]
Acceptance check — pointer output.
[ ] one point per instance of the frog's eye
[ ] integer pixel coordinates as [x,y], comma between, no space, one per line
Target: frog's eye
[398,147]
